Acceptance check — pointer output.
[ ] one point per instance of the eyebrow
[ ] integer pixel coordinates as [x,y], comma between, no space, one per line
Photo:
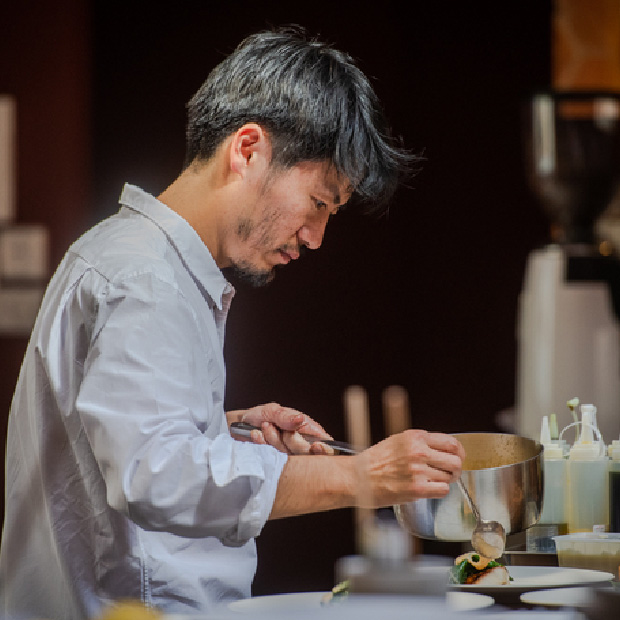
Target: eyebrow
[331,186]
[334,190]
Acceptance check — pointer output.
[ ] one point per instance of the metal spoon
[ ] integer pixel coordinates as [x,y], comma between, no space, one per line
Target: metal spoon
[488,537]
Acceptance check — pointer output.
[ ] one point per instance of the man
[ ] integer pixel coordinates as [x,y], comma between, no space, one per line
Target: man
[122,478]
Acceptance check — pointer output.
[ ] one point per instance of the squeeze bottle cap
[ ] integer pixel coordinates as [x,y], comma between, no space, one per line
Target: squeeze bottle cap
[553,427]
[545,432]
[614,450]
[592,410]
[551,450]
[585,448]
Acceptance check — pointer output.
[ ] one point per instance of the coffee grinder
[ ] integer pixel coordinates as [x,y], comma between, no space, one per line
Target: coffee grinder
[569,308]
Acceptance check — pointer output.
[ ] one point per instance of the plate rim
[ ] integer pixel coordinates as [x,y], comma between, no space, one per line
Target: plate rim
[535,593]
[244,606]
[232,605]
[485,599]
[601,577]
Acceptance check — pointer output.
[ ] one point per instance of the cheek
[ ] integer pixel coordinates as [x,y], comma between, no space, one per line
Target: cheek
[244,229]
[276,227]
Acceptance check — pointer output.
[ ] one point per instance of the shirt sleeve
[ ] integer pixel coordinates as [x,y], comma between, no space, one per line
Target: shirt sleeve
[162,446]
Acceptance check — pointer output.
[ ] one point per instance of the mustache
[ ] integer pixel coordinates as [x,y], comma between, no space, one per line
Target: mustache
[301,250]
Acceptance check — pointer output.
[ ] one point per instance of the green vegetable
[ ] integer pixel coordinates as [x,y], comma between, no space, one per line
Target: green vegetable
[341,589]
[461,571]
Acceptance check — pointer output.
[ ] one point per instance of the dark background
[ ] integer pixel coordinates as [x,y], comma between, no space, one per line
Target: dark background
[425,297]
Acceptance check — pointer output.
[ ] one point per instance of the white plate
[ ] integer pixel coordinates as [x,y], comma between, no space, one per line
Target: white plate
[565,597]
[468,601]
[456,601]
[279,602]
[526,578]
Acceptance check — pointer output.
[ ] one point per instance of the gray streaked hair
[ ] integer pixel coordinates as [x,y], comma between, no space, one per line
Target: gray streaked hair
[315,104]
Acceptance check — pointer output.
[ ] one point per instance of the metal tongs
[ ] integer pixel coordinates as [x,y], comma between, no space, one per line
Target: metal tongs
[243,429]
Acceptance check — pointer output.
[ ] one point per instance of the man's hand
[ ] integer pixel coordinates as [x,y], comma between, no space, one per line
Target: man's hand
[397,470]
[408,466]
[281,427]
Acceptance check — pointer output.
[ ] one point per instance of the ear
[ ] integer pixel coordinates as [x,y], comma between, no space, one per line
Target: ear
[249,147]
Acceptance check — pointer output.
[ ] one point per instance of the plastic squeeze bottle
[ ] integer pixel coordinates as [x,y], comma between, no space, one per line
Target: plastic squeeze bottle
[555,436]
[614,486]
[587,497]
[554,470]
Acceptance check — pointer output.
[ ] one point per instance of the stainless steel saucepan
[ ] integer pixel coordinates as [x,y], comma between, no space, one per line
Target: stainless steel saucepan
[503,474]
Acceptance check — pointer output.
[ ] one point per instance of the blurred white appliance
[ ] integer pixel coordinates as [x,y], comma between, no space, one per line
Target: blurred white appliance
[568,328]
[569,345]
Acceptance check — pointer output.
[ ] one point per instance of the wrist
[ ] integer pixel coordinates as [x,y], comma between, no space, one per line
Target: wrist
[315,484]
[347,476]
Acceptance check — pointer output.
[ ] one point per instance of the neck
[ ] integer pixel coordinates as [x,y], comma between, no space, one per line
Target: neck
[196,195]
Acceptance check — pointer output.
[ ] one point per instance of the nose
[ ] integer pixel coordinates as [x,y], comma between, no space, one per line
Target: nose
[311,234]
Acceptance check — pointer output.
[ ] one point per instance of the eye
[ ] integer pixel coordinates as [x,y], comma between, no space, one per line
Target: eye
[319,204]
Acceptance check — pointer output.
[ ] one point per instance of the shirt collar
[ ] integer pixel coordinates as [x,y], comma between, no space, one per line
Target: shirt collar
[185,240]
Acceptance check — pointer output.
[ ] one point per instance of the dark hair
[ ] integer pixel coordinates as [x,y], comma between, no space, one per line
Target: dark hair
[314,102]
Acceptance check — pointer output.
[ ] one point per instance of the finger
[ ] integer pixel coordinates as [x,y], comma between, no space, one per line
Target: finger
[257,414]
[432,489]
[290,419]
[439,475]
[257,437]
[295,443]
[447,453]
[312,427]
[449,464]
[445,443]
[319,447]
[273,437]
[283,417]
[434,449]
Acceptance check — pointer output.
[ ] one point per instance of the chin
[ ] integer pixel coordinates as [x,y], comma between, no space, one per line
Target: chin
[250,275]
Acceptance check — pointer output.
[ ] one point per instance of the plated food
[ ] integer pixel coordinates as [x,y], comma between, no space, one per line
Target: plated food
[530,578]
[338,593]
[473,568]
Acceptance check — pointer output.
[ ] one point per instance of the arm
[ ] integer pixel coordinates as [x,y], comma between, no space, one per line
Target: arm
[315,484]
[149,404]
[399,469]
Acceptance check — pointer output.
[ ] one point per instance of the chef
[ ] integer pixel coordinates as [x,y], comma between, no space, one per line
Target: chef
[122,478]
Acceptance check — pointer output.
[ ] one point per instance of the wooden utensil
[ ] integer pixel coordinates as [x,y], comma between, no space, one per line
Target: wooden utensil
[356,412]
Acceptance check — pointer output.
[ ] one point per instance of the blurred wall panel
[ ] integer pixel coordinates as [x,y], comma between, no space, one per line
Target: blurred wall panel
[586,44]
[45,66]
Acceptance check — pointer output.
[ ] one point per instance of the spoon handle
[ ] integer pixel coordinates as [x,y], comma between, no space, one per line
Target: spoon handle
[473,506]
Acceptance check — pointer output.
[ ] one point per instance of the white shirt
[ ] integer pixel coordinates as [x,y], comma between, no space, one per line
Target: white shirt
[122,480]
